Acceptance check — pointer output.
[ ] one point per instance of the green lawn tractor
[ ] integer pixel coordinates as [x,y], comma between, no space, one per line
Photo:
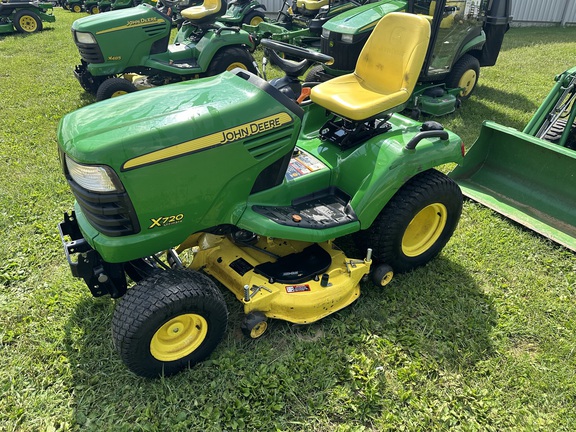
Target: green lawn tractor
[24,16]
[301,23]
[126,50]
[91,7]
[250,12]
[466,35]
[108,5]
[227,178]
[529,176]
[75,6]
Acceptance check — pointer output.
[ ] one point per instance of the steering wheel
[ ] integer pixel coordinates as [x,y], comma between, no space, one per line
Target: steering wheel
[297,52]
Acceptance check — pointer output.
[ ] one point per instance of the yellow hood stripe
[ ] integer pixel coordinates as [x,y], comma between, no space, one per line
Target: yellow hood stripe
[216,139]
[132,24]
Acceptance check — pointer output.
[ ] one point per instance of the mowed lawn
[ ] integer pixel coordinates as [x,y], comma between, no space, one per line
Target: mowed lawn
[483,338]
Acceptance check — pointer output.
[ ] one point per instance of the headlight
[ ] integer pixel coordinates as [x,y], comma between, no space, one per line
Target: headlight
[95,178]
[347,38]
[325,33]
[85,38]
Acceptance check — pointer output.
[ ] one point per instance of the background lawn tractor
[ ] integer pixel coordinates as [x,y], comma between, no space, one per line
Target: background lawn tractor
[240,12]
[529,176]
[301,23]
[466,35]
[129,49]
[24,16]
[227,178]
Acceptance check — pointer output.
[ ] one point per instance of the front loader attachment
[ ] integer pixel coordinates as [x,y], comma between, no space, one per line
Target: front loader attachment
[529,176]
[527,179]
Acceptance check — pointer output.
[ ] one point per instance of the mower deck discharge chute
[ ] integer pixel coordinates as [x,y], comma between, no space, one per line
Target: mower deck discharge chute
[228,178]
[529,176]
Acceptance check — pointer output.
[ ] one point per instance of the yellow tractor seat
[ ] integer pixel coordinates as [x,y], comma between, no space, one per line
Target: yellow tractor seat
[386,71]
[311,5]
[209,9]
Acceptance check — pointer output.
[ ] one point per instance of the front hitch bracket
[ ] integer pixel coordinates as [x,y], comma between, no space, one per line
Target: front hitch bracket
[103,278]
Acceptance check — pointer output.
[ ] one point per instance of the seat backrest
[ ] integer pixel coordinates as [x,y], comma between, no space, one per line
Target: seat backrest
[394,54]
[206,11]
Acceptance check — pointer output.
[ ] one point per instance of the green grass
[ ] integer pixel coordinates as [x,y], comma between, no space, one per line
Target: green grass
[480,339]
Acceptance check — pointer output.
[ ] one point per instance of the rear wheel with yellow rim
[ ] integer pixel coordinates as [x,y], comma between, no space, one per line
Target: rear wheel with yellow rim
[26,21]
[229,58]
[416,223]
[253,18]
[169,322]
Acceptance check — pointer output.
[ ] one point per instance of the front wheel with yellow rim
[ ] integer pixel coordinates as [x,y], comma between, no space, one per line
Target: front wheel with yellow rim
[169,322]
[416,223]
[114,87]
[464,75]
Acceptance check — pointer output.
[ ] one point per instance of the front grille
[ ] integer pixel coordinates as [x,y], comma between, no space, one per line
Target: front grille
[111,214]
[345,54]
[90,53]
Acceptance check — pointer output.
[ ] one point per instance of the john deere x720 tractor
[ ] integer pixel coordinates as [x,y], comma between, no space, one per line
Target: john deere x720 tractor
[129,49]
[227,178]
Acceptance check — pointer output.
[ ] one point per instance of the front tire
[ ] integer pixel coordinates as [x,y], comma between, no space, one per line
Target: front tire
[464,74]
[229,58]
[27,22]
[416,223]
[114,87]
[169,322]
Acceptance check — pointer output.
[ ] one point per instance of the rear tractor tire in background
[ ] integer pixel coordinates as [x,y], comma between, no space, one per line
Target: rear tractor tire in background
[229,58]
[253,18]
[416,223]
[27,22]
[169,322]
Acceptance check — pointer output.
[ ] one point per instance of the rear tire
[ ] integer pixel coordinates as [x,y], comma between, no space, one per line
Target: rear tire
[114,87]
[465,74]
[27,22]
[169,322]
[253,18]
[229,58]
[416,223]
[315,74]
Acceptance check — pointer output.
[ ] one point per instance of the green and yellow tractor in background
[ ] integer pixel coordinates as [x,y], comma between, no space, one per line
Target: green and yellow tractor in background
[125,50]
[466,35]
[24,16]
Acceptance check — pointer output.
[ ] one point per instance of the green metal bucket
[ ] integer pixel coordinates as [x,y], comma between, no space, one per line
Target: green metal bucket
[527,179]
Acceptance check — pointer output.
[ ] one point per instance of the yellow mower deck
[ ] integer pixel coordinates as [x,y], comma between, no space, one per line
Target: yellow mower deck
[236,266]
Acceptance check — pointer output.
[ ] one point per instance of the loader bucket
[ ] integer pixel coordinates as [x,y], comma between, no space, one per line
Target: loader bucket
[527,179]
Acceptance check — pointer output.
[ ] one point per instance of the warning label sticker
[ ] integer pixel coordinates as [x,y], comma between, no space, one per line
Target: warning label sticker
[301,164]
[297,288]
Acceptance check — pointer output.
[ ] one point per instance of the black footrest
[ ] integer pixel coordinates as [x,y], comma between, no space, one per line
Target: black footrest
[324,209]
